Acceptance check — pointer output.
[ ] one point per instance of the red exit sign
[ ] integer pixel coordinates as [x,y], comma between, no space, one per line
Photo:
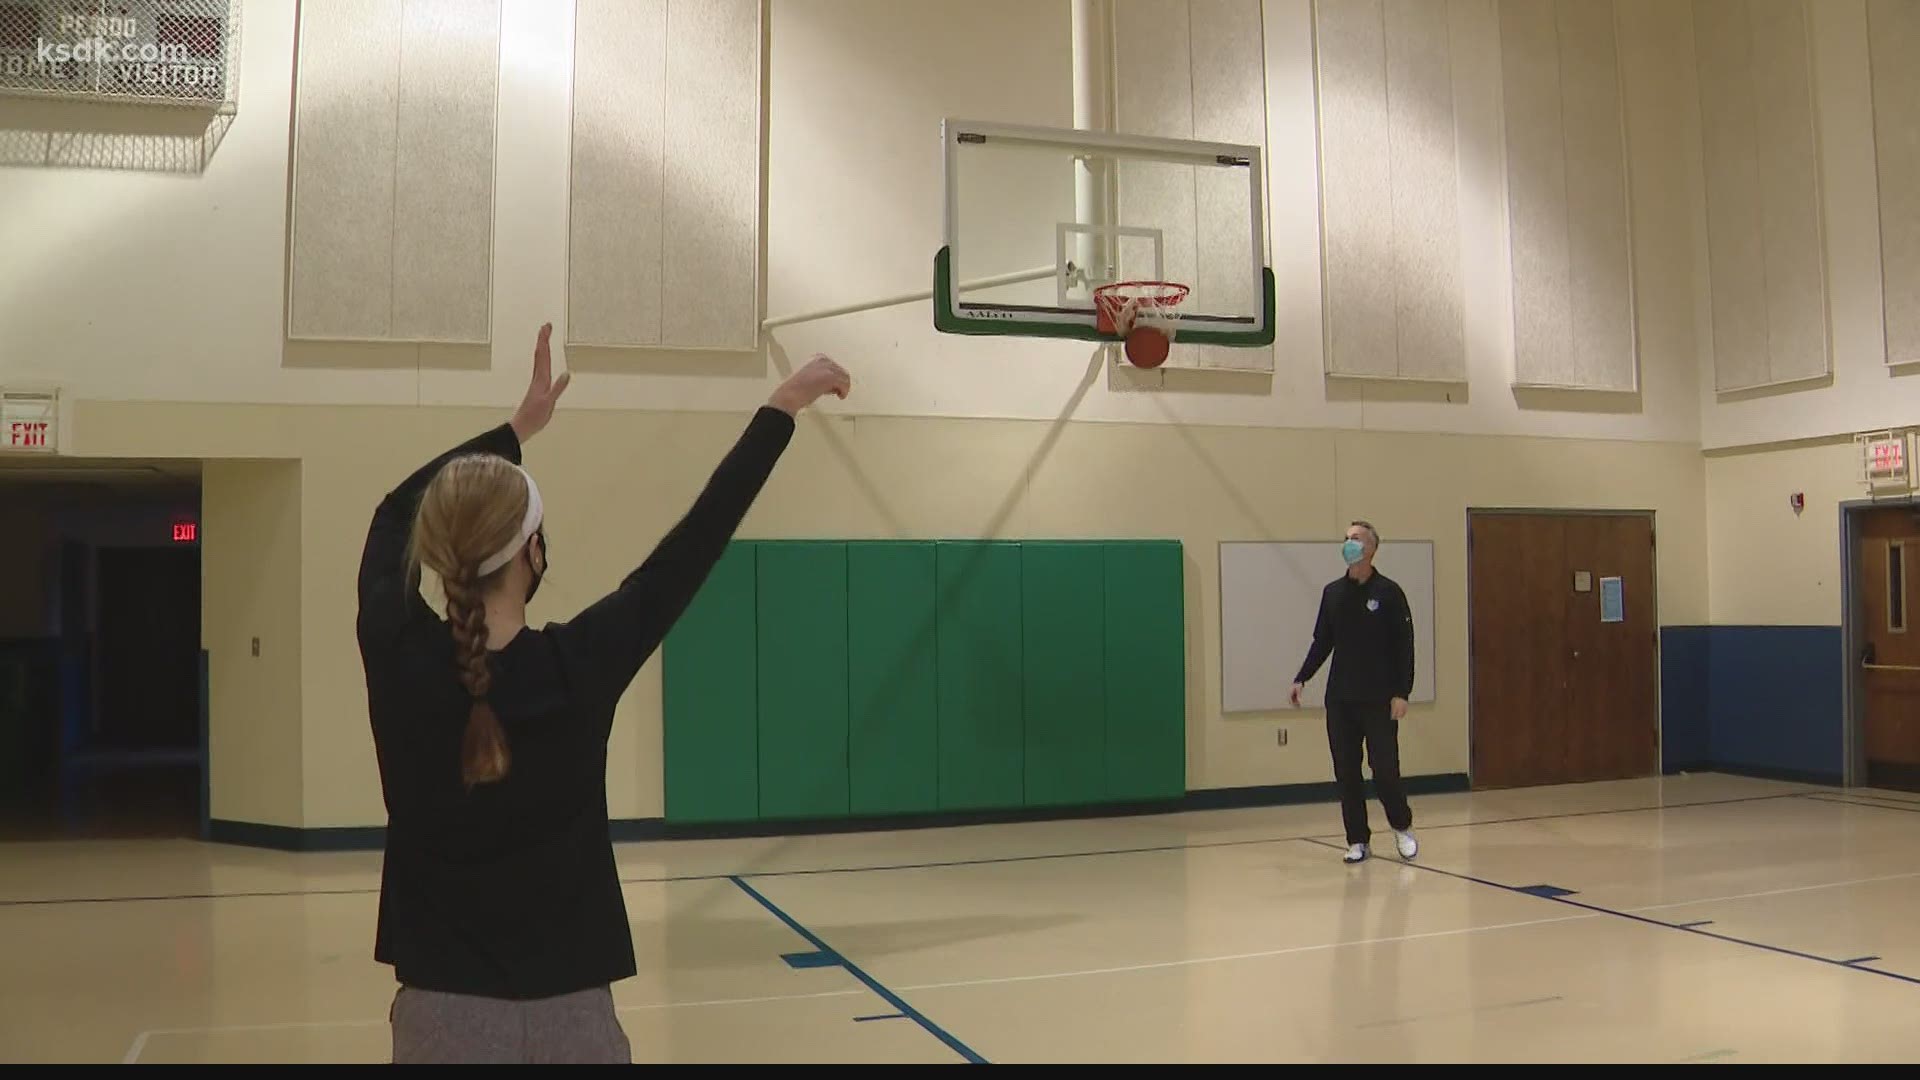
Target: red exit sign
[186,532]
[28,434]
[1889,455]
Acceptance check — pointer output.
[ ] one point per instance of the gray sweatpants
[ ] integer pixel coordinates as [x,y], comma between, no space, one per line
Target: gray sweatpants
[431,1028]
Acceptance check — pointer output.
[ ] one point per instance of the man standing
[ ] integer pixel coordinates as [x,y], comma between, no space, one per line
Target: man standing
[1365,625]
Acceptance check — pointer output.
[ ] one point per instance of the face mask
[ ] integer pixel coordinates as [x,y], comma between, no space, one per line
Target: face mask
[539,571]
[1353,551]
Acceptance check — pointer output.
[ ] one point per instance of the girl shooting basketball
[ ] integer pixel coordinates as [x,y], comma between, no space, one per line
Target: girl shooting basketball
[500,905]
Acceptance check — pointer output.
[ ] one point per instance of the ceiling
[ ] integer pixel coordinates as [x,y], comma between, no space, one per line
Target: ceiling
[49,470]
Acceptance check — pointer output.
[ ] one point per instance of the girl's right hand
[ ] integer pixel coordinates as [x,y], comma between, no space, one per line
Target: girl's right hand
[820,376]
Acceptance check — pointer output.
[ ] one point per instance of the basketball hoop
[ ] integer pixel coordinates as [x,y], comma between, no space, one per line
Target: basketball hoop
[1141,312]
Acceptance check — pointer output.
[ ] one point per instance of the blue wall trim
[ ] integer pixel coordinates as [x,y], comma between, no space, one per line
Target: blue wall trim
[1686,744]
[1761,700]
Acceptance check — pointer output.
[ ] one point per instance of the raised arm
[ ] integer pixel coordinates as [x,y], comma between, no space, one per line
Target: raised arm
[613,638]
[388,599]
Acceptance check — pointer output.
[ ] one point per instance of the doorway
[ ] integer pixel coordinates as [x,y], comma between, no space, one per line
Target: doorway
[1563,647]
[101,696]
[1886,555]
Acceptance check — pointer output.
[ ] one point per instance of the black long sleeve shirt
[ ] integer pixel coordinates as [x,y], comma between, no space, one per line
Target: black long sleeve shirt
[509,890]
[1367,628]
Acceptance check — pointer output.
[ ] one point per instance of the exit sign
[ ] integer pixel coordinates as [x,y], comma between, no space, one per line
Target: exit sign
[186,532]
[29,422]
[1886,466]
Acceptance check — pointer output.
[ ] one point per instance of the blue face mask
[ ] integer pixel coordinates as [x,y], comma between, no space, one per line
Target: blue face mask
[1352,551]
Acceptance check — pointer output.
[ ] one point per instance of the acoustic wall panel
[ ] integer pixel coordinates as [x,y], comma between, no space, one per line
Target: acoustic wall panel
[1389,190]
[1768,281]
[619,172]
[1193,69]
[1567,206]
[711,242]
[392,208]
[665,198]
[346,106]
[1893,37]
[443,189]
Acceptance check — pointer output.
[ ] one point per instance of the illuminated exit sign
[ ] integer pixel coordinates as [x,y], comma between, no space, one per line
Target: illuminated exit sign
[186,532]
[1890,456]
[1886,467]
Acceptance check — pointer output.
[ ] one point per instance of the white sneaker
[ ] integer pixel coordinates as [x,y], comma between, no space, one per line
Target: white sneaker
[1409,847]
[1356,853]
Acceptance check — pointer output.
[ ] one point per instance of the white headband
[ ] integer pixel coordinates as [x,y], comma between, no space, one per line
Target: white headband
[528,526]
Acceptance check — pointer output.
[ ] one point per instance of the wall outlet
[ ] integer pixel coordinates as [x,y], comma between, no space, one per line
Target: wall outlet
[1280,737]
[256,646]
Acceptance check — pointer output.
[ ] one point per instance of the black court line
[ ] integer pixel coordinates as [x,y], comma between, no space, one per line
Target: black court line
[1887,796]
[1201,846]
[985,861]
[1563,896]
[1896,805]
[871,983]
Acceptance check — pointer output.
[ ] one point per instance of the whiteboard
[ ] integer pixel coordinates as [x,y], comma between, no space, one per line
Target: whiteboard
[1269,597]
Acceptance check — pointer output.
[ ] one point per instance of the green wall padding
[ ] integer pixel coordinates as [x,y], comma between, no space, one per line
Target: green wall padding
[803,679]
[893,744]
[708,696]
[1146,671]
[820,679]
[1063,618]
[982,739]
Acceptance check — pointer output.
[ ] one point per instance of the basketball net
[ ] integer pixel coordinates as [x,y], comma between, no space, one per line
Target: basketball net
[1147,306]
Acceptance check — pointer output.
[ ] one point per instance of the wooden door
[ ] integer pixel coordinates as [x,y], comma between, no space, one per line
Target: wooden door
[1563,691]
[1613,696]
[1888,558]
[1518,623]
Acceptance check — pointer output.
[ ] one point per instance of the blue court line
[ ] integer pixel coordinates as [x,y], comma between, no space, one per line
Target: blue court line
[867,980]
[1691,925]
[1686,928]
[992,861]
[800,961]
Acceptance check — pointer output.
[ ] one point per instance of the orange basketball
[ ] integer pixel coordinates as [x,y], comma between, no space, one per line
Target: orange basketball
[1147,347]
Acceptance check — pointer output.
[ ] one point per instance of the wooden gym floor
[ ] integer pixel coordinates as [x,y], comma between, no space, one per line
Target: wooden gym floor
[1693,919]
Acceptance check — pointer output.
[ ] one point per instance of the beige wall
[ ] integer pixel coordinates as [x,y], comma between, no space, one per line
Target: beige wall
[1768,566]
[1863,393]
[947,436]
[251,583]
[196,266]
[616,480]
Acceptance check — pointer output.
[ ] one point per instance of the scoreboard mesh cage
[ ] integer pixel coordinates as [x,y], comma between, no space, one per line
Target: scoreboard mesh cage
[148,52]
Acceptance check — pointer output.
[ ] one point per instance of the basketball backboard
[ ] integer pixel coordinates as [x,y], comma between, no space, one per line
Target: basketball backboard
[1037,218]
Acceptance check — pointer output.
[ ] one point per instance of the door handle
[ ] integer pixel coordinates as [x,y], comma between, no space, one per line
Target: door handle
[1891,667]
